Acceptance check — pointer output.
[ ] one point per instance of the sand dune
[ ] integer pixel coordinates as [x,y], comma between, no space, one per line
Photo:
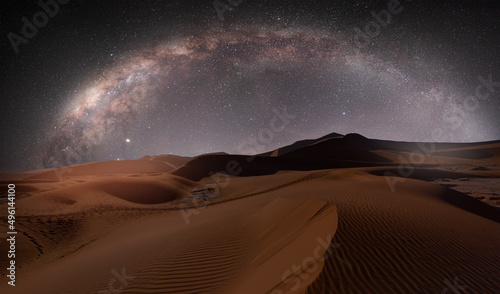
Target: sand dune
[299,144]
[411,241]
[147,164]
[247,239]
[333,215]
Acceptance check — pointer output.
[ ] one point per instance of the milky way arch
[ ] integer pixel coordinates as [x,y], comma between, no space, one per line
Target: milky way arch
[127,90]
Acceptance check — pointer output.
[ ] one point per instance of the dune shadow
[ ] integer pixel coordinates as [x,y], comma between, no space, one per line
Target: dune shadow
[142,193]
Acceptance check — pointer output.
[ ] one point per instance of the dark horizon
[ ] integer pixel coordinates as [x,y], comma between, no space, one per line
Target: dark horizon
[308,141]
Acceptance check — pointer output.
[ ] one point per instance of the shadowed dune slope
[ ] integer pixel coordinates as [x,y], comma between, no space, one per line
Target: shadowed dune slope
[240,165]
[353,147]
[350,151]
[298,145]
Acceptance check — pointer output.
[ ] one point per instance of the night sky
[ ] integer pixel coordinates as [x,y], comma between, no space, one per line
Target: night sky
[108,80]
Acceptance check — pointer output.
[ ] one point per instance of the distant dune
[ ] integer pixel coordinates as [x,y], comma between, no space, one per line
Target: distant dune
[338,214]
[147,164]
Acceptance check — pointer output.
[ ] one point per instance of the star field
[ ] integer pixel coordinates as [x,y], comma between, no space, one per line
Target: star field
[117,81]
